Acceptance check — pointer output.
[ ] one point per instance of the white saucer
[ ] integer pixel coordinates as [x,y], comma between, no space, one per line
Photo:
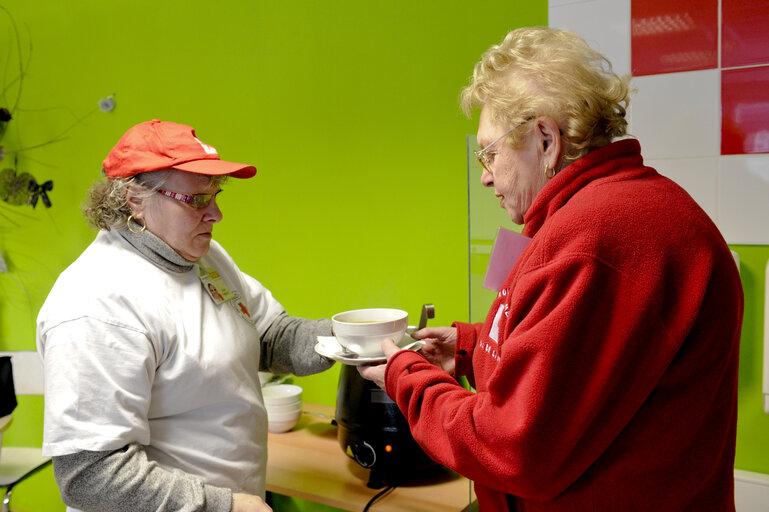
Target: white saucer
[327,346]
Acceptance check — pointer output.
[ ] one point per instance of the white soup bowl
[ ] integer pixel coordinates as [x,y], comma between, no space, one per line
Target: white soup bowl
[278,422]
[281,394]
[362,331]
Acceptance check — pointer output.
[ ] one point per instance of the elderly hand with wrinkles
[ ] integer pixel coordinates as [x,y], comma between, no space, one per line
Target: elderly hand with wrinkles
[438,348]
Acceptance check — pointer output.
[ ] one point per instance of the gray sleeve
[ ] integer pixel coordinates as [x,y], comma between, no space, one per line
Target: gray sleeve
[125,480]
[288,346]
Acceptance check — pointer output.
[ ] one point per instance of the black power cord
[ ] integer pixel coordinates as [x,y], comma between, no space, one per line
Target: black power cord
[381,494]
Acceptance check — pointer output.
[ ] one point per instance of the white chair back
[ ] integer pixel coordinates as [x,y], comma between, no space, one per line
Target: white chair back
[27,372]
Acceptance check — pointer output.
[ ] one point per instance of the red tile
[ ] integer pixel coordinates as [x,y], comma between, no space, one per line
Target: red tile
[744,32]
[745,110]
[670,36]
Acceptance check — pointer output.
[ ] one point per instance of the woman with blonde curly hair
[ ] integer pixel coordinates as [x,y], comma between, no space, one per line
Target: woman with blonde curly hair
[605,373]
[153,339]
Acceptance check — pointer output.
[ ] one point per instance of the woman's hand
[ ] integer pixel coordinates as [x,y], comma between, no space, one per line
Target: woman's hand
[376,372]
[248,503]
[440,343]
[439,346]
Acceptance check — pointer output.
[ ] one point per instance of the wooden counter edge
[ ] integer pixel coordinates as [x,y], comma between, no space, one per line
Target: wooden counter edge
[308,463]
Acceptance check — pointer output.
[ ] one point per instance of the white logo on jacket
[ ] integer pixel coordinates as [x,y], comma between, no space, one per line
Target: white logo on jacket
[493,349]
[494,331]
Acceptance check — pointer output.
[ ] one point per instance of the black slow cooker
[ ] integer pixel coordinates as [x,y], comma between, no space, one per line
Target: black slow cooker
[373,432]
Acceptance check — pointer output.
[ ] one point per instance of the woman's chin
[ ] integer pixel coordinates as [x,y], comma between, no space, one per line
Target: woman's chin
[516,217]
[197,252]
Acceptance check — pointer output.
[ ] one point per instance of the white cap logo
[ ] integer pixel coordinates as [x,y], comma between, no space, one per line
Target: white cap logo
[208,149]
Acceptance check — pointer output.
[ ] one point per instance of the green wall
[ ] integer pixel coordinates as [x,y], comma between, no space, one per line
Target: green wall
[752,421]
[349,109]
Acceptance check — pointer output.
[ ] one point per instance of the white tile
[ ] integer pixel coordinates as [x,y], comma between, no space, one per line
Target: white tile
[743,210]
[751,490]
[556,3]
[605,25]
[677,115]
[698,176]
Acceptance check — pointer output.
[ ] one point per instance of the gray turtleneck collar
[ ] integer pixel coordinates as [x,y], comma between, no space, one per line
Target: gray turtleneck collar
[156,250]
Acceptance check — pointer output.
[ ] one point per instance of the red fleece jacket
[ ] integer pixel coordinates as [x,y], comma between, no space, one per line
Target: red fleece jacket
[606,370]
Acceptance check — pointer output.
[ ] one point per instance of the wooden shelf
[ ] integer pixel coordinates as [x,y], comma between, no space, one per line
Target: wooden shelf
[308,463]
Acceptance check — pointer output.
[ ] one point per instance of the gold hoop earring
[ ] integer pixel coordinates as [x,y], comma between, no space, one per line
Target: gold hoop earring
[548,171]
[130,227]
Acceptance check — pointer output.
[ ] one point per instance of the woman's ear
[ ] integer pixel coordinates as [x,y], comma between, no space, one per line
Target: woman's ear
[551,140]
[134,202]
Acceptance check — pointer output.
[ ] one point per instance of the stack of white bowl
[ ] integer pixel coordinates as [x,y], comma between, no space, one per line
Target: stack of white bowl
[284,406]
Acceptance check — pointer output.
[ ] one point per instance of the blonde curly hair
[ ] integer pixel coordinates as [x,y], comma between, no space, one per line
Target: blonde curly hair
[106,207]
[542,71]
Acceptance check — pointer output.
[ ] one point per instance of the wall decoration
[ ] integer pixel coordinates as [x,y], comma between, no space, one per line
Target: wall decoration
[17,189]
[20,187]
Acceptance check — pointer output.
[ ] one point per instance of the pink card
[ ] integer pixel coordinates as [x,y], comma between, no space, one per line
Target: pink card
[507,248]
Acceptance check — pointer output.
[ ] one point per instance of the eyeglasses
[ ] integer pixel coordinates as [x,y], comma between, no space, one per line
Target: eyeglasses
[481,155]
[197,201]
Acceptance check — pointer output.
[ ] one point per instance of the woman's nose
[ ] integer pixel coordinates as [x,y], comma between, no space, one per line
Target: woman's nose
[487,179]
[213,212]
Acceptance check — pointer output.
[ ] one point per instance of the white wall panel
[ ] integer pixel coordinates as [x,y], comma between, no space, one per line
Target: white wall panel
[677,115]
[698,176]
[557,3]
[605,25]
[744,199]
[751,491]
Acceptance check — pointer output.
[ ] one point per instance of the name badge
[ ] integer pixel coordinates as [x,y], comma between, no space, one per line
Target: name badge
[214,285]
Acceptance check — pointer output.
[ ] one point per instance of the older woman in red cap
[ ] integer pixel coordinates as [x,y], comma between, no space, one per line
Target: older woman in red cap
[152,341]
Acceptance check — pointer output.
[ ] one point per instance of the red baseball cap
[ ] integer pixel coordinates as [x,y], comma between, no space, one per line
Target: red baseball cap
[156,145]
